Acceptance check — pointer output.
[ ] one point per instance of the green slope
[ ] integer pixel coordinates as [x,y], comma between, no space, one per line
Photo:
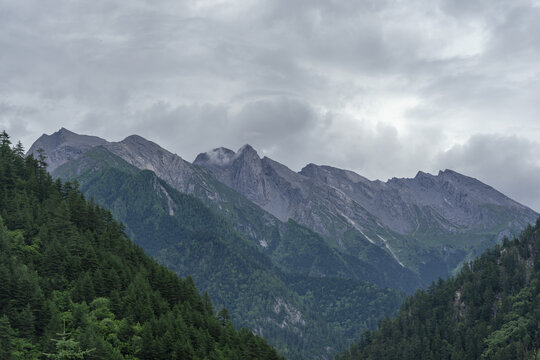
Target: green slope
[188,237]
[74,286]
[289,245]
[490,310]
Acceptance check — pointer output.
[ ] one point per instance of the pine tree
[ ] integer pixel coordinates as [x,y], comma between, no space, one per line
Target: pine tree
[67,348]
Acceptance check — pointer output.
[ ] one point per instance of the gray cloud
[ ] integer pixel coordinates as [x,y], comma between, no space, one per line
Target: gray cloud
[508,163]
[385,88]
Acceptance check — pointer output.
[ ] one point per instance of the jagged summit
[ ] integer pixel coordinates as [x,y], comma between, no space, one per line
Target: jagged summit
[247,150]
[219,156]
[222,156]
[428,223]
[421,174]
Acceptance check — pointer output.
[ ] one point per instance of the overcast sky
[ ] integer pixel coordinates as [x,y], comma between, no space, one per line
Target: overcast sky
[382,87]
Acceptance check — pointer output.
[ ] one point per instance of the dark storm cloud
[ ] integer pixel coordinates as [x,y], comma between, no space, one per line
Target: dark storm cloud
[382,87]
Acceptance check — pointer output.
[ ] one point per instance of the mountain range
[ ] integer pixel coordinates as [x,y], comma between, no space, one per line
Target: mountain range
[295,230]
[428,224]
[261,227]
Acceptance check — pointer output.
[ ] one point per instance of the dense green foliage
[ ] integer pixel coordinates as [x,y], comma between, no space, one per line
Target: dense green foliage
[350,306]
[490,310]
[295,313]
[75,287]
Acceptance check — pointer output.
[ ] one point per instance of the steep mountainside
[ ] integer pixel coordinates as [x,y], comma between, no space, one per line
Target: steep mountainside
[429,224]
[284,193]
[421,228]
[491,310]
[291,311]
[289,245]
[74,286]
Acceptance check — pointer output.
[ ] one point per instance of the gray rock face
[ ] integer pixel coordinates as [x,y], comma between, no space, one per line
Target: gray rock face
[285,193]
[246,173]
[292,247]
[444,218]
[147,155]
[428,224]
[453,201]
[63,146]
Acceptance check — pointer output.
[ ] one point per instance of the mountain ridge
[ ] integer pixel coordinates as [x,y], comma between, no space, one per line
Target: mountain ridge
[424,213]
[410,219]
[254,285]
[247,216]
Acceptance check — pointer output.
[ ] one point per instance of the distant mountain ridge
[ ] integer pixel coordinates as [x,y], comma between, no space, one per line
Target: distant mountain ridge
[313,234]
[256,224]
[428,224]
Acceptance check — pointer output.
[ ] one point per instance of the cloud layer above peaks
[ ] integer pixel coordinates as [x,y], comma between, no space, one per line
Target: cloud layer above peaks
[382,87]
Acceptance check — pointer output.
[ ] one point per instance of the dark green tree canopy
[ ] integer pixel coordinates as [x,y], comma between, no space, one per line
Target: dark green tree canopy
[491,310]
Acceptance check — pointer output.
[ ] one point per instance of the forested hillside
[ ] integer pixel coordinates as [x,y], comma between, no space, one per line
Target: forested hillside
[302,316]
[491,310]
[74,286]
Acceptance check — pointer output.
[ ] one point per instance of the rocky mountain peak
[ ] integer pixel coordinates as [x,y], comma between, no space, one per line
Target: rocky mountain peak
[247,150]
[65,131]
[138,142]
[223,157]
[325,173]
[64,145]
[424,179]
[247,155]
[247,166]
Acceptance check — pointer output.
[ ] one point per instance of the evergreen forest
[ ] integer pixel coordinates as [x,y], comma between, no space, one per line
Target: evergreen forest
[490,310]
[74,286]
